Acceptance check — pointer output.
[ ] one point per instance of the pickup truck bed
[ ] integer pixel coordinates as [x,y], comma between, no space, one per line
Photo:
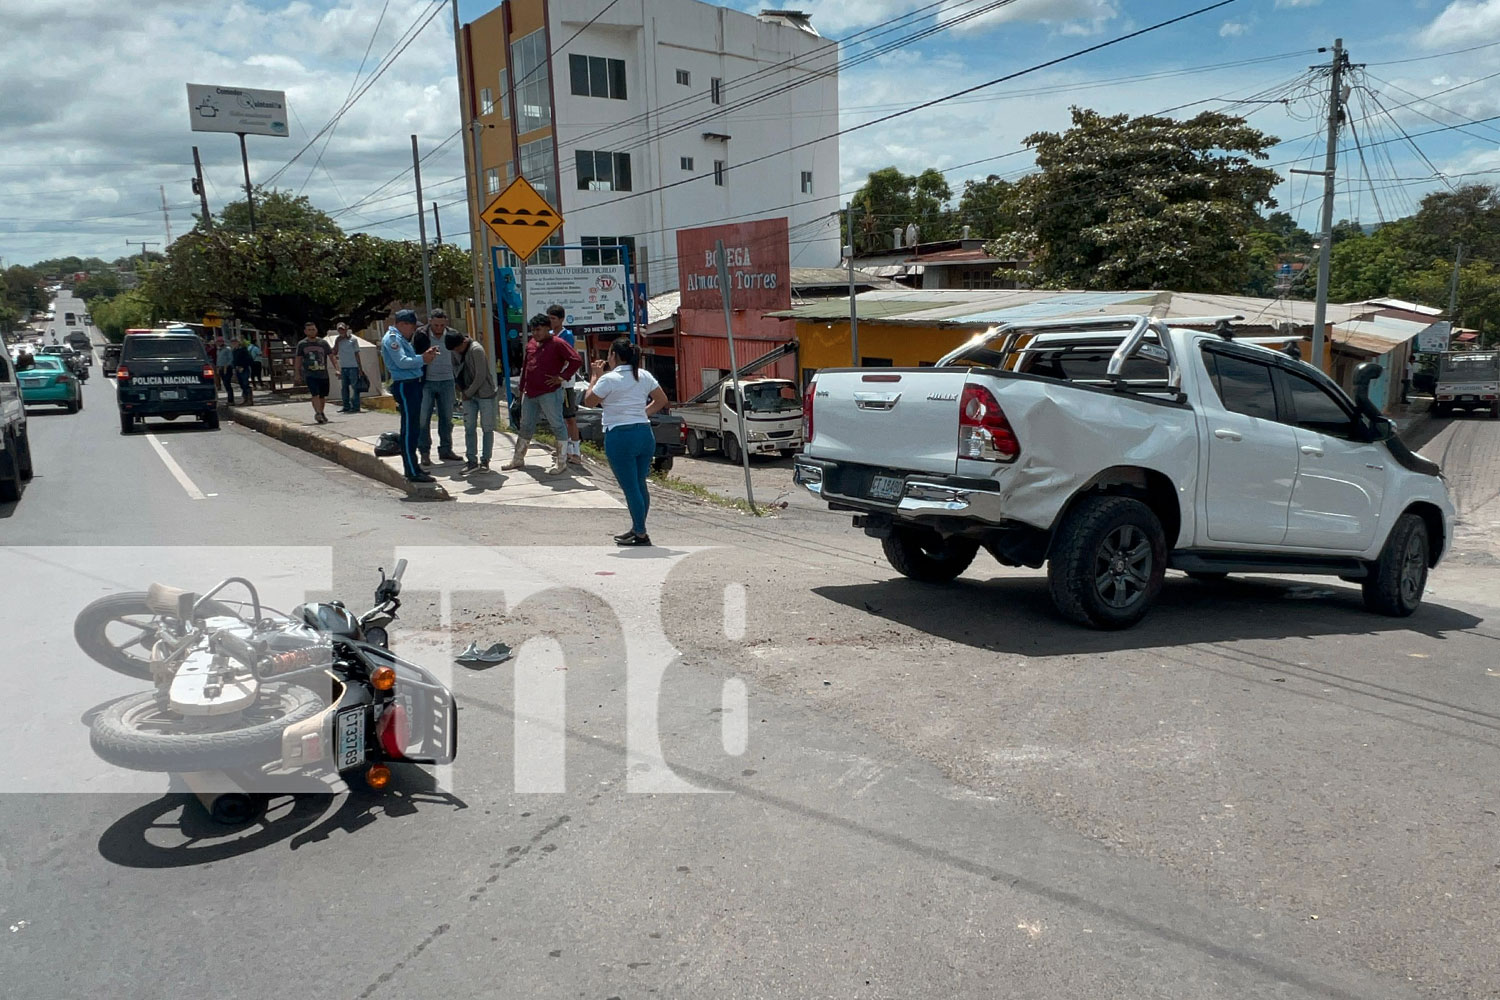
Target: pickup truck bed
[1111,449]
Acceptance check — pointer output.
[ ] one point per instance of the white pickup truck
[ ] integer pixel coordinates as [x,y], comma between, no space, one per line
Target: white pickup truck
[1112,449]
[773,419]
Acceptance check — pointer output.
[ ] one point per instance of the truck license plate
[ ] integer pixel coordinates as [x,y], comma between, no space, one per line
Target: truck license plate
[168,394]
[885,488]
[350,734]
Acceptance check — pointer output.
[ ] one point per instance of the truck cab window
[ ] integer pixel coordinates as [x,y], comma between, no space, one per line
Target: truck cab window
[1314,409]
[1243,386]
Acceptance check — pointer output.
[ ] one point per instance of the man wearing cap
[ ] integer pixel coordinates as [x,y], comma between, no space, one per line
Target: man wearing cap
[405,366]
[550,363]
[437,390]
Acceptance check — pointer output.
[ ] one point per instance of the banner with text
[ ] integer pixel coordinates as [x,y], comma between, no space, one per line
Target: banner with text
[594,297]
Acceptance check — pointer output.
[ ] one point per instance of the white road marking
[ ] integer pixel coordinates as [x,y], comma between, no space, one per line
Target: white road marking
[193,492]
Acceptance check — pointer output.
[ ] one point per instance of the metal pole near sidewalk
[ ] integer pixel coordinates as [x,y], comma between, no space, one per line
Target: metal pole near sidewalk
[734,371]
[249,191]
[416,168]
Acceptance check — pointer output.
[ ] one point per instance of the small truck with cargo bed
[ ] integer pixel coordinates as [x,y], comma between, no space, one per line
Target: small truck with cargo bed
[1468,381]
[1110,449]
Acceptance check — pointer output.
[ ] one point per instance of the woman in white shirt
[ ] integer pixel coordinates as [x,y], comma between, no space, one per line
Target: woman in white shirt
[628,397]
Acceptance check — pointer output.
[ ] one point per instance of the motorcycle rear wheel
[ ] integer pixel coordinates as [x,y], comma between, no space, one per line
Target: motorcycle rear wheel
[118,631]
[138,733]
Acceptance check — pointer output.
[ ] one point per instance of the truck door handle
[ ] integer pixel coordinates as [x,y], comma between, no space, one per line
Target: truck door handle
[1313,450]
[1225,434]
[876,400]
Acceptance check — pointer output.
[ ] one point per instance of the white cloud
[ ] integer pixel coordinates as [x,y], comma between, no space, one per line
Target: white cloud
[1463,22]
[1297,3]
[1233,29]
[836,18]
[95,114]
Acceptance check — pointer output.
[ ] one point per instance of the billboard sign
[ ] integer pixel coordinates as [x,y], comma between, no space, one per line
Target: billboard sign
[237,110]
[759,258]
[597,299]
[1434,339]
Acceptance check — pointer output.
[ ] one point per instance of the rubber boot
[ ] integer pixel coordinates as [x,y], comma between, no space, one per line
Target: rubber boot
[518,460]
[559,459]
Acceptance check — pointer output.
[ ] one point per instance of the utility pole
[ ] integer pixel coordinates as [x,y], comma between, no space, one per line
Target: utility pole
[165,218]
[853,309]
[478,255]
[1330,161]
[437,224]
[250,191]
[199,190]
[416,168]
[143,245]
[1458,260]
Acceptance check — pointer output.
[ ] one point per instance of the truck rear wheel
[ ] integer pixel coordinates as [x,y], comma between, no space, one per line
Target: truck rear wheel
[922,554]
[695,444]
[1107,562]
[1397,579]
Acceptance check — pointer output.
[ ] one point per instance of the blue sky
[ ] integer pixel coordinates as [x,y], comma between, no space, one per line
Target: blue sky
[90,140]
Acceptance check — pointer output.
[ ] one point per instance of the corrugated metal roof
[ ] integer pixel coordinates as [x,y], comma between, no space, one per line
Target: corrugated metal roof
[1385,328]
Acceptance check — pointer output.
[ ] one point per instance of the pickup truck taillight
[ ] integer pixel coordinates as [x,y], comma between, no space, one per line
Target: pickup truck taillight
[807,413]
[983,432]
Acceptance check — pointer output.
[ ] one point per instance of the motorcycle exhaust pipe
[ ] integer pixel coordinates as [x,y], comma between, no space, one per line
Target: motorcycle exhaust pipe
[223,797]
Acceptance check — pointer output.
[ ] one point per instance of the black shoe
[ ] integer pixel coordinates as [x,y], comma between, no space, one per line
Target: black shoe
[420,477]
[448,456]
[470,465]
[634,539]
[426,457]
[624,537]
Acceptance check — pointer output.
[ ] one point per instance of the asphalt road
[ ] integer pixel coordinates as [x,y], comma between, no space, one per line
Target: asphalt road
[1263,791]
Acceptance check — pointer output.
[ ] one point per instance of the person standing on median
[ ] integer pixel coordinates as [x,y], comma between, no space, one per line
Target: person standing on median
[241,354]
[224,365]
[312,357]
[437,390]
[405,366]
[628,396]
[346,346]
[475,380]
[550,363]
[556,315]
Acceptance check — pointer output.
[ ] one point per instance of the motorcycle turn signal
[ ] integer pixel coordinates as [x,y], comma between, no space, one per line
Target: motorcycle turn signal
[383,678]
[378,776]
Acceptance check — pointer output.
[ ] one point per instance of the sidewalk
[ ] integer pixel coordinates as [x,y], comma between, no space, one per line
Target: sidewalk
[349,440]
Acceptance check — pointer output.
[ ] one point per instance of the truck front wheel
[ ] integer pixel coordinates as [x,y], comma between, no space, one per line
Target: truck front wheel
[923,554]
[1107,562]
[1397,579]
[732,449]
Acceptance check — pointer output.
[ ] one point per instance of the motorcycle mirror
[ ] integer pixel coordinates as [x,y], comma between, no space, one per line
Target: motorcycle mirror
[187,604]
[400,569]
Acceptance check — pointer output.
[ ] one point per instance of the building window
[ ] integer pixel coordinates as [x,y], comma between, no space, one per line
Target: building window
[551,251]
[510,171]
[716,90]
[600,171]
[504,93]
[533,84]
[492,180]
[539,166]
[595,76]
[807,182]
[719,172]
[687,163]
[486,101]
[685,78]
[608,251]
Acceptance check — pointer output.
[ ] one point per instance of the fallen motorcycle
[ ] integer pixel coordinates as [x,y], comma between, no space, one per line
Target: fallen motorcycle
[242,689]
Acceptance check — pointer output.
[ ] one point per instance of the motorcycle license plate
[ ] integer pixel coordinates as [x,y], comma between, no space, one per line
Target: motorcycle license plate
[349,732]
[169,394]
[885,488]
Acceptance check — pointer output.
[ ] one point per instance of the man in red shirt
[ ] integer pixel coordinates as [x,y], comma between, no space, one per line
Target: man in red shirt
[550,362]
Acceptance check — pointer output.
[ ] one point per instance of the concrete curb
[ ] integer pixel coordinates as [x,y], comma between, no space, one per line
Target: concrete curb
[351,453]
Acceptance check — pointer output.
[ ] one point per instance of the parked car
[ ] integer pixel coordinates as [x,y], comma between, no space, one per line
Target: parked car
[15,443]
[1110,454]
[49,380]
[165,374]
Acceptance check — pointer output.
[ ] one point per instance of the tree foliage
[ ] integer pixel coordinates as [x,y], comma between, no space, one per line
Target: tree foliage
[1150,202]
[102,284]
[990,208]
[278,279]
[126,311]
[890,198]
[279,211]
[21,288]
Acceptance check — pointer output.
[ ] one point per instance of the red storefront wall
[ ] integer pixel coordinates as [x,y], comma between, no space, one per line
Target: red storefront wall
[695,353]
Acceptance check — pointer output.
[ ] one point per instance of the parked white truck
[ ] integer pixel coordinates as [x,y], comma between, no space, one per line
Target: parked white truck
[1469,381]
[1113,449]
[773,419]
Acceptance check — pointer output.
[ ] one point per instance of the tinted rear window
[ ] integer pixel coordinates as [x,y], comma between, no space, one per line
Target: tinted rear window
[164,348]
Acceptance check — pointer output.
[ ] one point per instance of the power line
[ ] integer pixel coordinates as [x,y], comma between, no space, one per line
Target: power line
[352,84]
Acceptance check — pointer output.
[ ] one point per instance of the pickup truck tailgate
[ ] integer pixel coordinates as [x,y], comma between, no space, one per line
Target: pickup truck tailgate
[905,418]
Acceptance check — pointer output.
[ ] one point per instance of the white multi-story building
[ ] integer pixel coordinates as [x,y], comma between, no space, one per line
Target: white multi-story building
[642,117]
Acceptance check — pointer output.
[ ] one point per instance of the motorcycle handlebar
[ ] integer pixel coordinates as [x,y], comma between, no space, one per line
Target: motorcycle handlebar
[400,568]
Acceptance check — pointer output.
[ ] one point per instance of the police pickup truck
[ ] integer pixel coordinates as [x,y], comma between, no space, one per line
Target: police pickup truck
[165,373]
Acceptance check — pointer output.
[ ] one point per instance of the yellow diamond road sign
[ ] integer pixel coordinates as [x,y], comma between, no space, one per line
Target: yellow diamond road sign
[521,218]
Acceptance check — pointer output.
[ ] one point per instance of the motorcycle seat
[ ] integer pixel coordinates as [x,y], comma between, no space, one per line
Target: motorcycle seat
[163,599]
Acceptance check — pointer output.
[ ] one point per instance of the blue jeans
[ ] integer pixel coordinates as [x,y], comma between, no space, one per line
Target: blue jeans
[350,388]
[242,373]
[630,450]
[548,406]
[439,393]
[484,413]
[408,395]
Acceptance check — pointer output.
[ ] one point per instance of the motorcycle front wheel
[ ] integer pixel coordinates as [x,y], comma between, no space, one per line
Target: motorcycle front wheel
[140,734]
[118,631]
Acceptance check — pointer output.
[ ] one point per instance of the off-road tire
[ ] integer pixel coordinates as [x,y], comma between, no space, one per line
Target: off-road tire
[90,631]
[10,470]
[923,554]
[1398,577]
[1082,547]
[117,737]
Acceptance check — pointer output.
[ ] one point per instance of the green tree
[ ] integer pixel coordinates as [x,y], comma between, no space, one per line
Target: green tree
[103,284]
[21,288]
[127,311]
[890,198]
[64,266]
[989,207]
[1470,216]
[1150,202]
[278,279]
[1478,292]
[1367,267]
[278,211]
